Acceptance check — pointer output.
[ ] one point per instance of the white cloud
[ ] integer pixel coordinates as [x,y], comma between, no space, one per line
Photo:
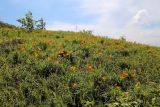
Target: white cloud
[117,17]
[141,16]
[98,7]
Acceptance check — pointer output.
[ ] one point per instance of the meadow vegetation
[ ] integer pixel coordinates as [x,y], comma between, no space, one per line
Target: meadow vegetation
[76,69]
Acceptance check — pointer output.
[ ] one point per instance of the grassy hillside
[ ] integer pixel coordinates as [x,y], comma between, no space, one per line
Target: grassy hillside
[67,69]
[6,25]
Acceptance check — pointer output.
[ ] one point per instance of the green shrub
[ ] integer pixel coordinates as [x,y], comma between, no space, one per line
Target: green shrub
[51,68]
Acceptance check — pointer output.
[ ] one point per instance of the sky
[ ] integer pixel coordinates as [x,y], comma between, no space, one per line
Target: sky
[137,20]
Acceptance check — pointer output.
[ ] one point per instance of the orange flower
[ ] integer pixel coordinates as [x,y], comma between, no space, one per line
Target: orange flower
[39,49]
[35,54]
[50,43]
[49,59]
[23,49]
[90,68]
[124,75]
[62,52]
[57,62]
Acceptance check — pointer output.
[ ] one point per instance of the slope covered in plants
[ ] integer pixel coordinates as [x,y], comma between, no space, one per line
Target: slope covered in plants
[2,24]
[68,69]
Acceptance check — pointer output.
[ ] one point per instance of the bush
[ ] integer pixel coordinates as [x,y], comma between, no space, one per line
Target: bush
[50,68]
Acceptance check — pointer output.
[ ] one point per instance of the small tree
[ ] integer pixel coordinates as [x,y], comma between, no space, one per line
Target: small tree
[30,24]
[87,32]
[40,24]
[123,38]
[27,22]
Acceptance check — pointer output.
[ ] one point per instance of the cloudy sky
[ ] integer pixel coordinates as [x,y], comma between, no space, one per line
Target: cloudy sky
[138,20]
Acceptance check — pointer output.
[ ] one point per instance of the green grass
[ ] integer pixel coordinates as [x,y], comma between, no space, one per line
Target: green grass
[68,69]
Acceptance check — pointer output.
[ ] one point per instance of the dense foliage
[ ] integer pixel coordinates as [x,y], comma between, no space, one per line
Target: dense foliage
[30,24]
[67,69]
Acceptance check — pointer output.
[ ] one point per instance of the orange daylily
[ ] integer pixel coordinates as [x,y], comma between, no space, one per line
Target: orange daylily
[57,62]
[39,49]
[23,49]
[124,75]
[35,54]
[49,59]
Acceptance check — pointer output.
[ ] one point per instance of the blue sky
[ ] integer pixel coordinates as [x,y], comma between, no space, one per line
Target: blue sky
[50,10]
[138,20]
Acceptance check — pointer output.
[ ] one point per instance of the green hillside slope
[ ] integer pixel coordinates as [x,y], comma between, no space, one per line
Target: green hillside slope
[68,69]
[6,25]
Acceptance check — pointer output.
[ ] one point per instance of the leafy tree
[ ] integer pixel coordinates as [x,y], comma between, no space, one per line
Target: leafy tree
[30,24]
[40,24]
[27,22]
